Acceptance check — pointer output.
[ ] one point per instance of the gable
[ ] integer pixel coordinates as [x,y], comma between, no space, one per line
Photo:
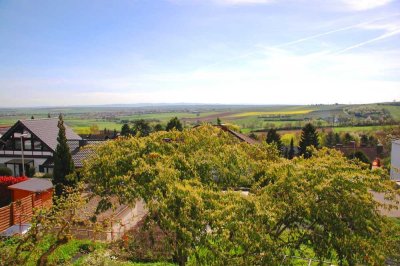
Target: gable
[45,130]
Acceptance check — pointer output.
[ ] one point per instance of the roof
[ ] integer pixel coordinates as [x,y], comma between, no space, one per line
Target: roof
[238,135]
[370,152]
[47,131]
[82,154]
[19,161]
[33,185]
[78,155]
[397,141]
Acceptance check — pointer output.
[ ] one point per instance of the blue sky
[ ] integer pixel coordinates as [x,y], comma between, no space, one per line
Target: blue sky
[199,51]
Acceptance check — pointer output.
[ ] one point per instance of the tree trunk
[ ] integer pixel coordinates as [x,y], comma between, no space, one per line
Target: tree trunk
[43,259]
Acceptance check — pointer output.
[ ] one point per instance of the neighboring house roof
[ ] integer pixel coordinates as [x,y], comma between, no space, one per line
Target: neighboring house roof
[47,131]
[397,141]
[33,185]
[370,152]
[78,155]
[82,154]
[238,135]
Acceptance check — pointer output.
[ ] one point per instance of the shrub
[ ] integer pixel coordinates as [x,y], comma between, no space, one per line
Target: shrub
[360,156]
[5,171]
[47,175]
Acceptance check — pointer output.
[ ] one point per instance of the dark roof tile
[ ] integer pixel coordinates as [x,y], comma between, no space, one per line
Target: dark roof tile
[47,131]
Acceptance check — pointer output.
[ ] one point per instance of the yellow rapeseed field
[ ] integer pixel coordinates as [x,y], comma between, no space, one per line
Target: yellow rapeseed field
[296,112]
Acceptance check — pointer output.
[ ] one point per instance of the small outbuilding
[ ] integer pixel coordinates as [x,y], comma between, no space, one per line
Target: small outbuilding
[41,188]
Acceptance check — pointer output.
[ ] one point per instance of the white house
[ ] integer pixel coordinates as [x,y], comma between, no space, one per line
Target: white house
[36,140]
[395,164]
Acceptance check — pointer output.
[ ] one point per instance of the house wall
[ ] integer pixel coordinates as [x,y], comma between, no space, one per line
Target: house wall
[37,162]
[126,220]
[123,221]
[395,164]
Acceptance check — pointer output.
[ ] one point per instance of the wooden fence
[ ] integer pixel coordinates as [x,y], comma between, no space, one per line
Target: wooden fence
[21,211]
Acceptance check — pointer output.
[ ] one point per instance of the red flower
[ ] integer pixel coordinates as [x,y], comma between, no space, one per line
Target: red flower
[11,180]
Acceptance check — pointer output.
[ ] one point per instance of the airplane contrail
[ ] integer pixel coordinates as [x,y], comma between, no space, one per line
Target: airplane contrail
[383,36]
[309,38]
[334,31]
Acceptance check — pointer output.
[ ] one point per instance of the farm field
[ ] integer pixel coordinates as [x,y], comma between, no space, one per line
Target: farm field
[248,118]
[299,112]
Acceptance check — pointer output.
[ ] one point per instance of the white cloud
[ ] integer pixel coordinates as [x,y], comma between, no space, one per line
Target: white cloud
[365,4]
[274,76]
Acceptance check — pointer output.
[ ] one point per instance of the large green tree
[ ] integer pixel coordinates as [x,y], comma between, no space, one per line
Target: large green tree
[291,152]
[141,127]
[274,138]
[125,130]
[309,137]
[189,182]
[174,123]
[63,164]
[330,139]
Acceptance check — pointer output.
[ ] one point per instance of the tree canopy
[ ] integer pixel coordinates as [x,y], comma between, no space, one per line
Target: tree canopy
[174,123]
[125,130]
[274,137]
[141,127]
[309,137]
[190,180]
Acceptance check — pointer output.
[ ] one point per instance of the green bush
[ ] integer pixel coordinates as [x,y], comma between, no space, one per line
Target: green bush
[47,175]
[31,172]
[360,156]
[5,171]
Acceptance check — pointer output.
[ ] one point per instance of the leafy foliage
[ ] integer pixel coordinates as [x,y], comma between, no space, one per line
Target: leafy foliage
[174,123]
[274,138]
[360,156]
[125,130]
[291,152]
[5,171]
[141,127]
[50,229]
[309,137]
[191,181]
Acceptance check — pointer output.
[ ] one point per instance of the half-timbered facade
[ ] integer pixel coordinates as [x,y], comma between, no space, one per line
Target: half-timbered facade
[33,143]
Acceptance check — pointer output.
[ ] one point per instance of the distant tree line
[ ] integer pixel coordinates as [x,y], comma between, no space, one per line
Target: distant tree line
[143,127]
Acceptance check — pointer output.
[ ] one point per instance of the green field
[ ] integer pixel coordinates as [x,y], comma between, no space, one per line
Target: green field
[249,118]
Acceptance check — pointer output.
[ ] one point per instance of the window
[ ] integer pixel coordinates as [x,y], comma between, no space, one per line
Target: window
[17,144]
[37,145]
[27,144]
